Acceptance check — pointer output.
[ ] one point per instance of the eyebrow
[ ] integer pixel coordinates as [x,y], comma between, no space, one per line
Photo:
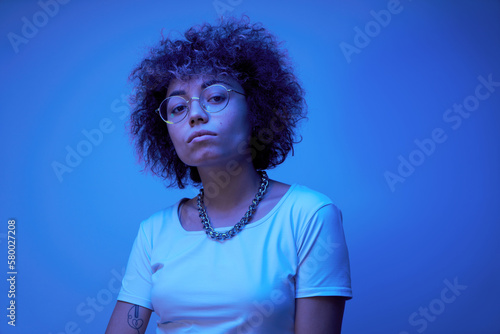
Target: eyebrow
[203,86]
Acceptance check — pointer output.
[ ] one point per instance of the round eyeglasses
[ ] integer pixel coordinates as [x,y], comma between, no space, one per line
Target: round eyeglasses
[212,99]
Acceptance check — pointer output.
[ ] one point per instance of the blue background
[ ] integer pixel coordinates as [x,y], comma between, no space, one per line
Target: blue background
[366,109]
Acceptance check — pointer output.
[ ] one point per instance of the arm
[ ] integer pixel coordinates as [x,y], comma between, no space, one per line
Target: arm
[128,319]
[319,315]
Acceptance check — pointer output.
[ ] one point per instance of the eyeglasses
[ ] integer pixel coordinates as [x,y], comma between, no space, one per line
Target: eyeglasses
[212,99]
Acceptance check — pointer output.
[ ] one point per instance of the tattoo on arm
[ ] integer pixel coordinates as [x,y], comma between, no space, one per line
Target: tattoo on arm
[133,318]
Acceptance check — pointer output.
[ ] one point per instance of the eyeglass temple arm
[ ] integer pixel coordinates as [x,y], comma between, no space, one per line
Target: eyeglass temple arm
[232,90]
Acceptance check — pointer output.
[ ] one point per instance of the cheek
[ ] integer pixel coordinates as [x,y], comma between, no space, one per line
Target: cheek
[246,129]
[240,124]
[238,130]
[176,141]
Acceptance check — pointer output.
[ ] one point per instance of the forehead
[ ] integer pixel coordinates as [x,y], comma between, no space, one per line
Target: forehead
[199,82]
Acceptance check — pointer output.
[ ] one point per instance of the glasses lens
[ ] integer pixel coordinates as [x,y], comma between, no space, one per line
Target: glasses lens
[173,109]
[214,98]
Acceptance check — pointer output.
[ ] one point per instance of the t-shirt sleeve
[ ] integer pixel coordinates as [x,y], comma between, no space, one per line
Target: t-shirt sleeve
[136,283]
[323,259]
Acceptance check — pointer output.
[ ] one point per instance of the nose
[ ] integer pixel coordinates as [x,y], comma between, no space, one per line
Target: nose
[196,113]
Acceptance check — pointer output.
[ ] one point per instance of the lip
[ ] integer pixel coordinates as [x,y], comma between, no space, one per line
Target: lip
[199,134]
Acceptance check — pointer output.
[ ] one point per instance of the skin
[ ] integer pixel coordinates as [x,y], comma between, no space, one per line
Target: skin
[211,155]
[121,323]
[319,315]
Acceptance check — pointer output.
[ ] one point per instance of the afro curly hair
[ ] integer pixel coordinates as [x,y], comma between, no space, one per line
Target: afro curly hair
[235,47]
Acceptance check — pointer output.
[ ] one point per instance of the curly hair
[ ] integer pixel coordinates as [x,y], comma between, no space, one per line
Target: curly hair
[246,52]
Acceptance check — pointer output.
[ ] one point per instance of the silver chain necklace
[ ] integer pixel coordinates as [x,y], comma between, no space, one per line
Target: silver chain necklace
[239,225]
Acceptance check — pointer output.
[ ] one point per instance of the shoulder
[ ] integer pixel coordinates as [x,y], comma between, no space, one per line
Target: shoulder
[157,221]
[306,208]
[318,223]
[308,199]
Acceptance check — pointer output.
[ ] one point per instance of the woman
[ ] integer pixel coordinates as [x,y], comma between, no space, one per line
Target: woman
[248,254]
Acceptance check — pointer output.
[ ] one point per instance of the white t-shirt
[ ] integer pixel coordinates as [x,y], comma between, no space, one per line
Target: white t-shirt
[247,284]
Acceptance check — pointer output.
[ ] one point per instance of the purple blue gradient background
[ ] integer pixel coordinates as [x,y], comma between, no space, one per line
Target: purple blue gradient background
[441,223]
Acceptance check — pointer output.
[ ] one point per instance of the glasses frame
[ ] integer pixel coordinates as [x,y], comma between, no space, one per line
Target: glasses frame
[197,98]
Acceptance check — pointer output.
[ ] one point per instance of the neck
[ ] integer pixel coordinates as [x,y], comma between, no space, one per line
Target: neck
[229,188]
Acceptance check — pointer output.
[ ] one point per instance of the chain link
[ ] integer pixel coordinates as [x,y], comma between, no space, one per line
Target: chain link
[239,225]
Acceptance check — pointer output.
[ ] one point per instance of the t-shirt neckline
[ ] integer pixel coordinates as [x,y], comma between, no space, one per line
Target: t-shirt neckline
[220,229]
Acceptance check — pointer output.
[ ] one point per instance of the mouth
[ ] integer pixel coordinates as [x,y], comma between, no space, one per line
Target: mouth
[200,133]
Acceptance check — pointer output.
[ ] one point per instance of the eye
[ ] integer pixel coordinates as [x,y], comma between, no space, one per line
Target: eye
[216,98]
[178,109]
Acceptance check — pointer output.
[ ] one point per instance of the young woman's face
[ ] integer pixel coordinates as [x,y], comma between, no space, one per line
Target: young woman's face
[209,138]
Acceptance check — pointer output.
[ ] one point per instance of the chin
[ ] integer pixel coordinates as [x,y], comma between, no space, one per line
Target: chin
[202,159]
[213,160]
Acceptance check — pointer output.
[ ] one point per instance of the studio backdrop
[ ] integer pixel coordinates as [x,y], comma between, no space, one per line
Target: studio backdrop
[402,134]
